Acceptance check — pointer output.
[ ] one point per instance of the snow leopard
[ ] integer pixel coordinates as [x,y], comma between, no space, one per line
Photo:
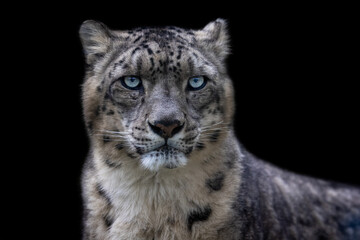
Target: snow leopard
[164,162]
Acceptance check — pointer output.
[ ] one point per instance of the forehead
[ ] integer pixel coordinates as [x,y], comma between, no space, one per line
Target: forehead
[169,40]
[158,51]
[160,35]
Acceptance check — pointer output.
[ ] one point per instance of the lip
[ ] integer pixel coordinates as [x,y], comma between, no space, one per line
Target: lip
[165,148]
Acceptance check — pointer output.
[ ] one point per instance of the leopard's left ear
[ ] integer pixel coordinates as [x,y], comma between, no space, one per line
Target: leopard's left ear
[215,37]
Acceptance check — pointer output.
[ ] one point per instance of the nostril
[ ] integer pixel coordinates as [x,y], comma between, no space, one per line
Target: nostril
[155,129]
[166,129]
[177,129]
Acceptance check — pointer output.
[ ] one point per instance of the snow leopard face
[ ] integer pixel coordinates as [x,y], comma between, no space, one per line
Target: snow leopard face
[156,96]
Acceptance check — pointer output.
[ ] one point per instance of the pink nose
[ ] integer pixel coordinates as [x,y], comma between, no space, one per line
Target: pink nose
[166,129]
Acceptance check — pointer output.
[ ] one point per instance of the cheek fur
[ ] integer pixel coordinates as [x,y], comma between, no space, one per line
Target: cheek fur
[200,98]
[122,96]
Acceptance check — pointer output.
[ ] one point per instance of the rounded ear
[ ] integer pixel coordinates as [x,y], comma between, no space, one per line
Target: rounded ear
[214,36]
[96,40]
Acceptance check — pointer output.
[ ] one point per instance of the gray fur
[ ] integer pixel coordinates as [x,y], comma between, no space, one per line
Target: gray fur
[196,182]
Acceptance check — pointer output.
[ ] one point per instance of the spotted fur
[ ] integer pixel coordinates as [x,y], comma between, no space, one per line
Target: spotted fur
[164,162]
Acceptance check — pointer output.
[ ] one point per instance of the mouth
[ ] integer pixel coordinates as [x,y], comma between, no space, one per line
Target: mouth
[164,156]
[165,149]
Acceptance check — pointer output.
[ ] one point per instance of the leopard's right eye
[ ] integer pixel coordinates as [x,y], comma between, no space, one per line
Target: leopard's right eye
[131,82]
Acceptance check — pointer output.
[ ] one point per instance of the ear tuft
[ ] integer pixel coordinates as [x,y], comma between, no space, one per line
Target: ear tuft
[214,36]
[96,40]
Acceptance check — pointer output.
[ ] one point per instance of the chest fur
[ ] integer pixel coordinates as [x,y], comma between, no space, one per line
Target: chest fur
[183,203]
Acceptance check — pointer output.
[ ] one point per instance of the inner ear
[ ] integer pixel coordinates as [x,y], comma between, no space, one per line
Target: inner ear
[96,40]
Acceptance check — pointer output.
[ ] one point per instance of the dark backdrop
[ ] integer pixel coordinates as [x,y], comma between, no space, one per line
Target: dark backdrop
[297,102]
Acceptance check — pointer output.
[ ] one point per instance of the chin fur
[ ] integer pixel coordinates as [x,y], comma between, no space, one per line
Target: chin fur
[170,159]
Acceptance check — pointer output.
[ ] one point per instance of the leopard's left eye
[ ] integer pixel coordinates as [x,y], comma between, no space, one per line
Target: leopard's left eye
[131,82]
[197,83]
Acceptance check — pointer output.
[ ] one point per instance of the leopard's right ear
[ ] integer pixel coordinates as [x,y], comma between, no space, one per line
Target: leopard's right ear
[215,37]
[96,40]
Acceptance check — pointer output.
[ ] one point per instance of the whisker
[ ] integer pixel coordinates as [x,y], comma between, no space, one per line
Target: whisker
[112,138]
[211,125]
[114,132]
[209,133]
[115,136]
[139,145]
[213,129]
[206,136]
[212,132]
[126,142]
[209,130]
[109,135]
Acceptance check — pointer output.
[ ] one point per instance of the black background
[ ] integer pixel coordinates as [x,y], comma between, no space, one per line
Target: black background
[292,67]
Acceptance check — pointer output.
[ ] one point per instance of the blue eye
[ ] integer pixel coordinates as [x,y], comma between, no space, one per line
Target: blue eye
[131,82]
[197,83]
